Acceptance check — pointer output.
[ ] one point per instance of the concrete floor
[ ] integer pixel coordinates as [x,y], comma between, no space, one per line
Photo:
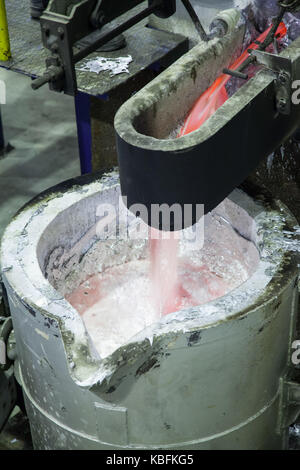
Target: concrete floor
[41,127]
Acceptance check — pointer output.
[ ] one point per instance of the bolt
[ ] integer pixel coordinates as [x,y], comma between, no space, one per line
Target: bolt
[54,48]
[46,30]
[283,78]
[61,32]
[282,103]
[101,18]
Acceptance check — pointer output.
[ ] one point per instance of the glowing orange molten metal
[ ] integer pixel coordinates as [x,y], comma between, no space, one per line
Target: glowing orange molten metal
[169,295]
[216,95]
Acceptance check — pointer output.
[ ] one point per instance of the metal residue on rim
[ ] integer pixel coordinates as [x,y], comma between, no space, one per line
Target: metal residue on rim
[115,65]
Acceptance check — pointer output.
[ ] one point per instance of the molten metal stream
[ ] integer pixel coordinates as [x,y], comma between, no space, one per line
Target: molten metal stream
[168,293]
[122,300]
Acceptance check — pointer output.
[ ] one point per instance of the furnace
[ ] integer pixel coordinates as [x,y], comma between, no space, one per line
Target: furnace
[208,376]
[133,332]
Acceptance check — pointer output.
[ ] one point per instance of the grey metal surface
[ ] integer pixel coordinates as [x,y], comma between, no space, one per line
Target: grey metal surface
[218,386]
[146,46]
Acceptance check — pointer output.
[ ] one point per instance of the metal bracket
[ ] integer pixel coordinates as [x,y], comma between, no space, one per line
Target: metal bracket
[8,395]
[6,328]
[292,5]
[283,69]
[289,403]
[67,22]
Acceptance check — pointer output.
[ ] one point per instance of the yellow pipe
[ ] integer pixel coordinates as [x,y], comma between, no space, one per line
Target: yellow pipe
[4,36]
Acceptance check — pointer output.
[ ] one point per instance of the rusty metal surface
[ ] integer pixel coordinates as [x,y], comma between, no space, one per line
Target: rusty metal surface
[145,45]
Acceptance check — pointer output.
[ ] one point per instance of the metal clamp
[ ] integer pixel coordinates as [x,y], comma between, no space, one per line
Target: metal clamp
[97,16]
[5,331]
[289,403]
[282,67]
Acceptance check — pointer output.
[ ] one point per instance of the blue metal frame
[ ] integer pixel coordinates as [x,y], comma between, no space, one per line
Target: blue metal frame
[84,132]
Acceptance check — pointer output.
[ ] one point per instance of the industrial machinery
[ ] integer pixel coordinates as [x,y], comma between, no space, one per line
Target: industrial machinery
[66,22]
[218,375]
[267,113]
[215,376]
[209,163]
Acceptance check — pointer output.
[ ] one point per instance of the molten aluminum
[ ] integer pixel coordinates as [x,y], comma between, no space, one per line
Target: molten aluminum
[123,299]
[224,86]
[216,95]
[171,275]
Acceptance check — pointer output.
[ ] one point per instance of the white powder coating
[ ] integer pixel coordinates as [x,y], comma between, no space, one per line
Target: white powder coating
[121,301]
[101,64]
[125,308]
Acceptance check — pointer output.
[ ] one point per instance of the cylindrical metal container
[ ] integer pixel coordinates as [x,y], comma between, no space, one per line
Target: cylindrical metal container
[187,382]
